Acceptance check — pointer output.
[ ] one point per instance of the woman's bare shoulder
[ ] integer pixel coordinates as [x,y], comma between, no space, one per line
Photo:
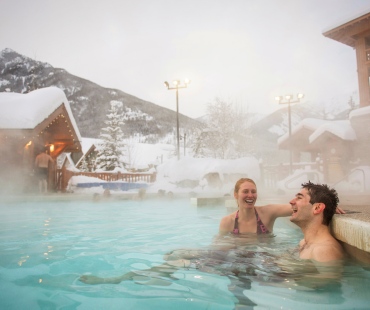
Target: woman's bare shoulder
[227,222]
[229,217]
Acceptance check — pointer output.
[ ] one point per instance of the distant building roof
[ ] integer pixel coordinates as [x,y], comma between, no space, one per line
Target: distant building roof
[341,129]
[360,121]
[310,124]
[309,132]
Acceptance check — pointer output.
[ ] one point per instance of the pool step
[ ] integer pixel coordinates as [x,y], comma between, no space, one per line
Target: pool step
[210,201]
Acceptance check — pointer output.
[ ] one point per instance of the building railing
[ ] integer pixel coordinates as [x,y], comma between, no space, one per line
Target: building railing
[64,175]
[271,174]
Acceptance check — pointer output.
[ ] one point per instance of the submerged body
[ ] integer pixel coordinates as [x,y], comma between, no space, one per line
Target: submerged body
[311,268]
[242,265]
[247,220]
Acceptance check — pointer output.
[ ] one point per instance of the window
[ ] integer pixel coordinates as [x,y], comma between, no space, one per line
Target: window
[367,48]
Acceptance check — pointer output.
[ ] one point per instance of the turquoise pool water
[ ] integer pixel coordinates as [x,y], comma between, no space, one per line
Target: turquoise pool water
[47,245]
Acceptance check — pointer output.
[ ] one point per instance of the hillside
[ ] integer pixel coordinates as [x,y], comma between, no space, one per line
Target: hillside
[89,101]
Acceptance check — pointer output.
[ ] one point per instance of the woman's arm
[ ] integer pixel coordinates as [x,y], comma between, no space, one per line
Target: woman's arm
[278,210]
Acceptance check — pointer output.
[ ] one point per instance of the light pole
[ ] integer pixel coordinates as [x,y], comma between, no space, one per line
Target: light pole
[289,100]
[177,86]
[181,137]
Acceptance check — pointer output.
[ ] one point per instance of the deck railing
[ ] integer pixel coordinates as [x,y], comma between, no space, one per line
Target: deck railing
[271,174]
[64,175]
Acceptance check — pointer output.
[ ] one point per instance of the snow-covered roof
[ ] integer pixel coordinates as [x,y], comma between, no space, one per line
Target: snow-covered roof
[341,129]
[307,123]
[87,143]
[359,112]
[318,127]
[68,162]
[26,111]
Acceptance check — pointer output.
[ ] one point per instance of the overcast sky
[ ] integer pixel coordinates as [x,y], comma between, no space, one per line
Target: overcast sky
[245,51]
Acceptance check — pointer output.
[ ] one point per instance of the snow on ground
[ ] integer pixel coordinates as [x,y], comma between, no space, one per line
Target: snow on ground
[187,175]
[204,175]
[141,155]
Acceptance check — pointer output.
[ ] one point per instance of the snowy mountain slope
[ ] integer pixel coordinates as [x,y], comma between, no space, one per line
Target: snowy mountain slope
[89,102]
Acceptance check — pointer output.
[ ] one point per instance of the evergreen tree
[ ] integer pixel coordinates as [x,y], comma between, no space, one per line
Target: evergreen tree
[111,150]
[84,166]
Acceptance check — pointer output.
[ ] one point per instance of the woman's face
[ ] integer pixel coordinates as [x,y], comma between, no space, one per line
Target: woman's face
[246,195]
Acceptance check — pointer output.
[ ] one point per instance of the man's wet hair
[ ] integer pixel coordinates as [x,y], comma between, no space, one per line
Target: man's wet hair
[324,194]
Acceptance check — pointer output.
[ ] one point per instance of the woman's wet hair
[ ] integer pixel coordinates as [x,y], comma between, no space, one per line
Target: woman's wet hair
[241,181]
[321,193]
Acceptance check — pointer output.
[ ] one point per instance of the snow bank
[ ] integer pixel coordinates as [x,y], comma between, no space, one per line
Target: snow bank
[196,168]
[195,175]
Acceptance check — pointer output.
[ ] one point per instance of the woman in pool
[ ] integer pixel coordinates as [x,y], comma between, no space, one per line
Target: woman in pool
[249,218]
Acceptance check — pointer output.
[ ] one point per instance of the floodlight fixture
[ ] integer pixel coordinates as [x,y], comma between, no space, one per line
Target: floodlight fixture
[279,98]
[289,100]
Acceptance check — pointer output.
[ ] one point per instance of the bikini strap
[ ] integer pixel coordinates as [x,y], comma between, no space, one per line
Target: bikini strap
[261,228]
[236,225]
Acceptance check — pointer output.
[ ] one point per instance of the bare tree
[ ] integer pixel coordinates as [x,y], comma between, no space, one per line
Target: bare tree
[227,133]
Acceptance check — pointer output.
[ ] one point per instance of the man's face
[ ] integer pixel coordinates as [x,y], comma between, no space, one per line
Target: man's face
[301,206]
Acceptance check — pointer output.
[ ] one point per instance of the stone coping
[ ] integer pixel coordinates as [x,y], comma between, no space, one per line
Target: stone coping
[353,230]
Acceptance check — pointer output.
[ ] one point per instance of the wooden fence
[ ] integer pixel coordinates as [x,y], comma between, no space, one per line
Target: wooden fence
[64,175]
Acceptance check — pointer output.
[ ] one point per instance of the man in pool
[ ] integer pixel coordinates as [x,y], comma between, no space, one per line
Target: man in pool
[313,209]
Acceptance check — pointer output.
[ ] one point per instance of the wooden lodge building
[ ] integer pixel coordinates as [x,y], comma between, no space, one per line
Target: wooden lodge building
[339,146]
[28,123]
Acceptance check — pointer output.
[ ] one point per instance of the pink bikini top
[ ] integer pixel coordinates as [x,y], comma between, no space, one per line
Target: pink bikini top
[261,228]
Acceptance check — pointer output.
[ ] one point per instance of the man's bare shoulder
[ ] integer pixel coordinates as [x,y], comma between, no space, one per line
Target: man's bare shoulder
[329,250]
